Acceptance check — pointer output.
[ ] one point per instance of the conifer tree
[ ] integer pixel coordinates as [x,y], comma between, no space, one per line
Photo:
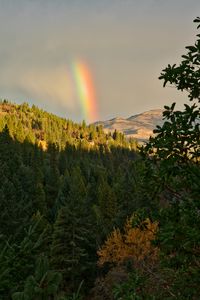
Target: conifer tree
[71,232]
[52,178]
[107,204]
[43,285]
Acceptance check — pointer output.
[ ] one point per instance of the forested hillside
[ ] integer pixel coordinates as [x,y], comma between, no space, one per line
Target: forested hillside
[36,126]
[87,215]
[61,194]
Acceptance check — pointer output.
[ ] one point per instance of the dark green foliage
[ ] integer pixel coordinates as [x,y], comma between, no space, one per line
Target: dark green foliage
[132,289]
[42,285]
[17,257]
[107,207]
[178,139]
[65,186]
[165,186]
[72,237]
[186,75]
[172,166]
[58,199]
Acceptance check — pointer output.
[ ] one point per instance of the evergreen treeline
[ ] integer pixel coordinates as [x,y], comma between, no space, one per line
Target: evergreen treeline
[57,203]
[36,126]
[85,216]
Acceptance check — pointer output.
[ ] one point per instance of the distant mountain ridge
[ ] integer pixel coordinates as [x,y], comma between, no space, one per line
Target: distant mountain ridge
[139,126]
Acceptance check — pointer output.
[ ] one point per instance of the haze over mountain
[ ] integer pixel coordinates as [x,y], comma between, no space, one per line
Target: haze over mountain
[138,126]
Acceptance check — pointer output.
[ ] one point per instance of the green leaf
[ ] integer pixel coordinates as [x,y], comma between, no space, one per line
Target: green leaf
[42,267]
[18,296]
[191,48]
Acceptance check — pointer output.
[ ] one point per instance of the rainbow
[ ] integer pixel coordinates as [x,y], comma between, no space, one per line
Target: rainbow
[85,91]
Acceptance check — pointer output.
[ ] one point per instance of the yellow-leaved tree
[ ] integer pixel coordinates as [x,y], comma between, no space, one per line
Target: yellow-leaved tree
[134,244]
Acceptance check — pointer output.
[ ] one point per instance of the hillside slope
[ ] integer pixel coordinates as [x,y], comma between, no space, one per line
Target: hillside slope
[138,126]
[36,126]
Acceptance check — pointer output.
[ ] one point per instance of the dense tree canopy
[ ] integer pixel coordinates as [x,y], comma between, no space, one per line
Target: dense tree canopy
[58,199]
[170,180]
[67,189]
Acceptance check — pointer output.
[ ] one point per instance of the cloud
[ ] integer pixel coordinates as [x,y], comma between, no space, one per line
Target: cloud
[50,85]
[125,42]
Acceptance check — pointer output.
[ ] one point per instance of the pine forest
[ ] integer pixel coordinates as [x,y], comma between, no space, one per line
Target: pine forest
[89,215]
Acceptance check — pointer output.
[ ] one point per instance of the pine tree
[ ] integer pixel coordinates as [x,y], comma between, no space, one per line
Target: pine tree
[43,285]
[107,205]
[71,233]
[52,178]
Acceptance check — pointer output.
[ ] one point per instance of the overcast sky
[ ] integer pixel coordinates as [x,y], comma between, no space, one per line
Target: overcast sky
[125,43]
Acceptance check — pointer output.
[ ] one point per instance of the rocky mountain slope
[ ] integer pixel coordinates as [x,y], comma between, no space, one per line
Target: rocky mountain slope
[138,126]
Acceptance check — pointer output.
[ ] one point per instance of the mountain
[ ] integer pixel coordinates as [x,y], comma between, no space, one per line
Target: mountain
[61,187]
[138,126]
[39,127]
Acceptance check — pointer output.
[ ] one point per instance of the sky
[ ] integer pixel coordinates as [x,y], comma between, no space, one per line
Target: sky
[124,44]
